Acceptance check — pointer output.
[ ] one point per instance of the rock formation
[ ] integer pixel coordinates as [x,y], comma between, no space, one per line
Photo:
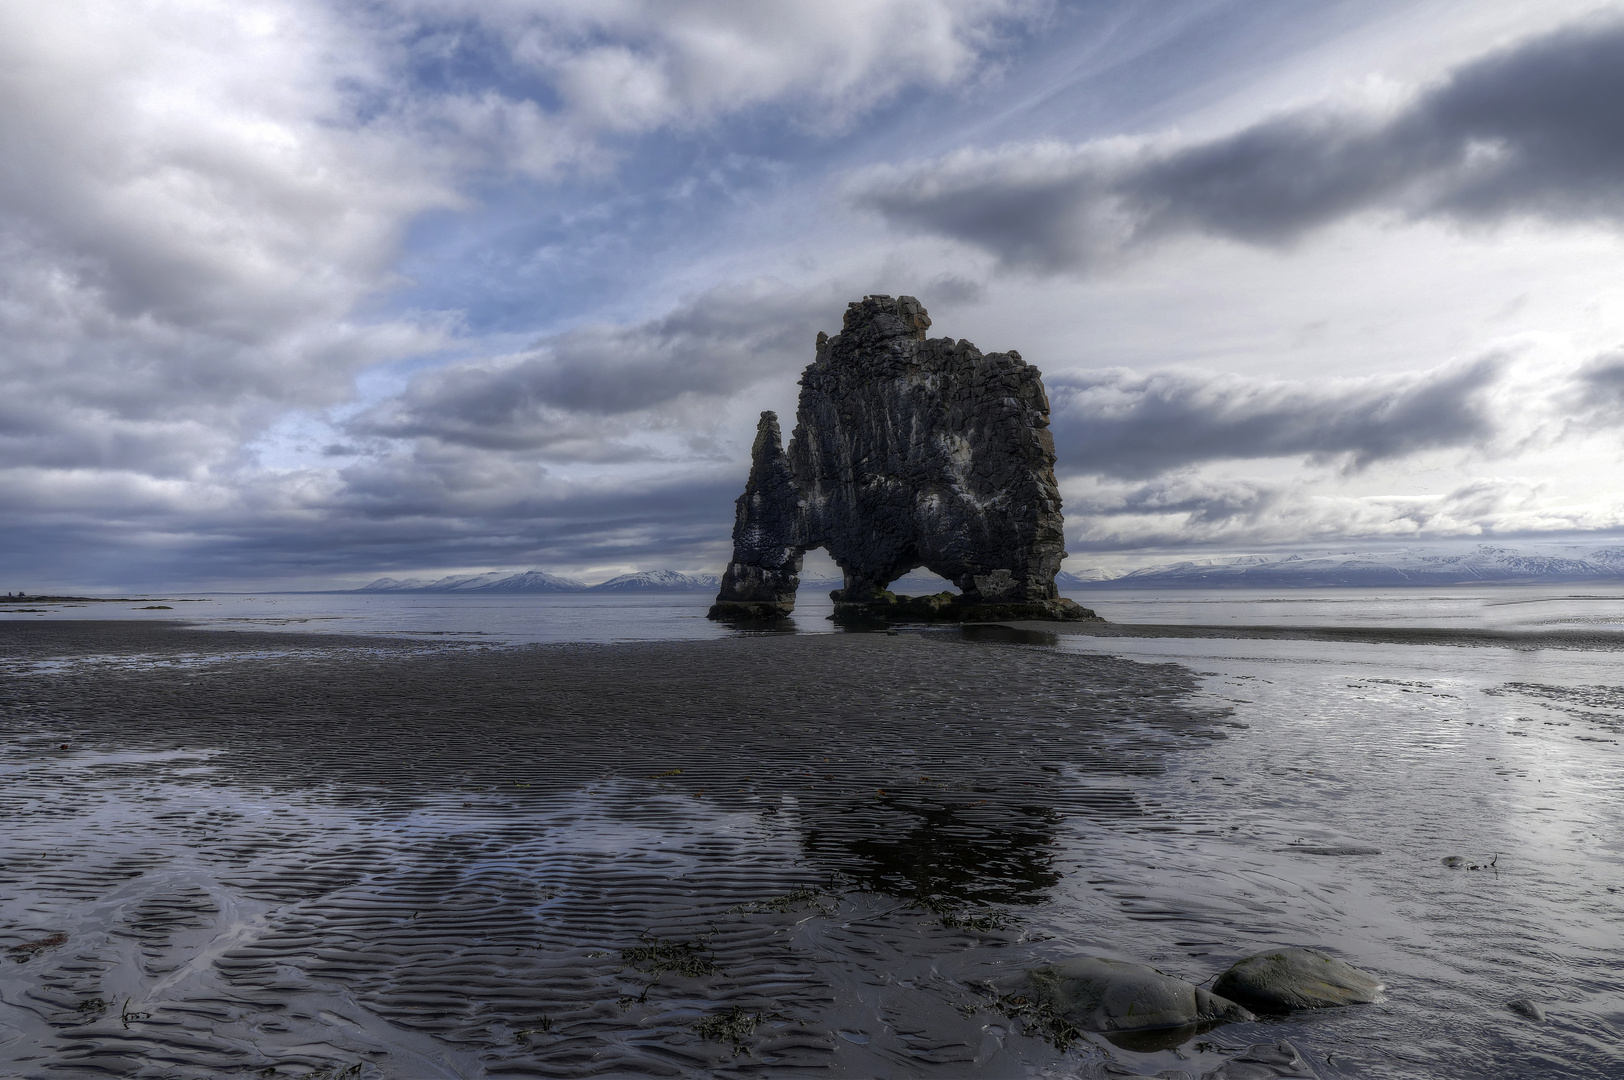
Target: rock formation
[908,451]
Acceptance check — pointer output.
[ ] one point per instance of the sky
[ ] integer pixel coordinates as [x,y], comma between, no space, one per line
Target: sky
[299,293]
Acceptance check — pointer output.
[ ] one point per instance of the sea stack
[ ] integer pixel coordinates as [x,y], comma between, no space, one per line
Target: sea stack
[908,451]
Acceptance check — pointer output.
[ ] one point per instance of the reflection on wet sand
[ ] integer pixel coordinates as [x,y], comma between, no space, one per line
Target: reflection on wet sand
[948,852]
[748,855]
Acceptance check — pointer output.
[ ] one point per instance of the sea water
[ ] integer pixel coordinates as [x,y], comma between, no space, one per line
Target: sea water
[600,617]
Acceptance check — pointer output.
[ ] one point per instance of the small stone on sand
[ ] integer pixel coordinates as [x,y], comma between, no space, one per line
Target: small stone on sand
[1527,1008]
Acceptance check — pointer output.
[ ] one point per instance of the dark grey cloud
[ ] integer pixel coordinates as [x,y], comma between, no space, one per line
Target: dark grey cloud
[575,389]
[1598,392]
[1534,130]
[407,512]
[1197,501]
[1130,424]
[1189,511]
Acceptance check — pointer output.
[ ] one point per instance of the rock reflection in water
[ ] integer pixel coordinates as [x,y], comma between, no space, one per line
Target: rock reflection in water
[1155,1040]
[997,634]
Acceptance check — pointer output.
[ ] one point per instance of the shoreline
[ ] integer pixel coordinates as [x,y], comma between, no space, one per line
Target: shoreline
[1590,640]
[179,631]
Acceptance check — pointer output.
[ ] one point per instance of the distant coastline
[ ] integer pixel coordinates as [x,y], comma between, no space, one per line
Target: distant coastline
[1404,568]
[538,581]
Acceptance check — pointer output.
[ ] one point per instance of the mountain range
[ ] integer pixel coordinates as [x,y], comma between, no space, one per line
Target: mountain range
[537,581]
[1485,565]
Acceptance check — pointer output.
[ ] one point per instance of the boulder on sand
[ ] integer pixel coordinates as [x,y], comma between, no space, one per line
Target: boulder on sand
[1286,979]
[1112,995]
[1528,1009]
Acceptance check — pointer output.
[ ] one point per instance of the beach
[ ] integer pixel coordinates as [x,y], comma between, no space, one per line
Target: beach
[758,854]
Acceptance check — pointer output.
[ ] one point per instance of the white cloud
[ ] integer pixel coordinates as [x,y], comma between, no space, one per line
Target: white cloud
[195,195]
[202,203]
[1194,510]
[187,222]
[634,65]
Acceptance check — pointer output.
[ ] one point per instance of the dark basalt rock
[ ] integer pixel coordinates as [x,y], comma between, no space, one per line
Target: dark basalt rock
[951,607]
[908,451]
[761,580]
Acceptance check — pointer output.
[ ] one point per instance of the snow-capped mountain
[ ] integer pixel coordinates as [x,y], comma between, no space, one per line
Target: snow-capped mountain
[530,581]
[1487,564]
[823,584]
[1068,579]
[535,581]
[658,581]
[1612,558]
[538,581]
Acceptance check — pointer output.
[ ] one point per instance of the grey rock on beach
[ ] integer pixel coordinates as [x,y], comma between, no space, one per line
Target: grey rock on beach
[1104,995]
[1285,979]
[908,451]
[1528,1009]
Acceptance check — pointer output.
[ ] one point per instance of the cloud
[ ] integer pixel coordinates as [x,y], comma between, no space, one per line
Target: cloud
[200,202]
[420,508]
[208,211]
[1196,501]
[1192,511]
[1129,424]
[1597,397]
[1534,130]
[571,393]
[186,228]
[203,208]
[627,66]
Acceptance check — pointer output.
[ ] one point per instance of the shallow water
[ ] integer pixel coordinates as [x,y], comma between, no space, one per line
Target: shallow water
[1508,759]
[587,617]
[490,619]
[317,854]
[1511,607]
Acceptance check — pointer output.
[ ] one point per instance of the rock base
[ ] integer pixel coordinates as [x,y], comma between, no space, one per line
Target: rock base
[750,609]
[950,607]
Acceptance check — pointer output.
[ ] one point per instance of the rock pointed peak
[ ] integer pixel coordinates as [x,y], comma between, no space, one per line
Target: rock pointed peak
[879,317]
[769,438]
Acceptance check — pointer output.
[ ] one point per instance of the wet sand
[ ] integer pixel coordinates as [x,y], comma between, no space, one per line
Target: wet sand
[227,852]
[233,852]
